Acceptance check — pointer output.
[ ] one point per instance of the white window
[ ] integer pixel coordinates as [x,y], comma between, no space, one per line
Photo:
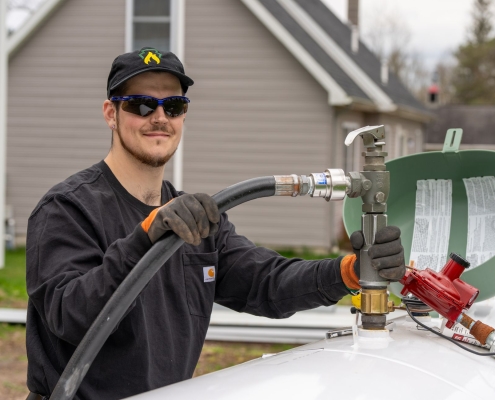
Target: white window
[149,24]
[401,144]
[419,140]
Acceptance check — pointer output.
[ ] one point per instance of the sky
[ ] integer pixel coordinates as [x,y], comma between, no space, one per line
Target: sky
[17,17]
[437,27]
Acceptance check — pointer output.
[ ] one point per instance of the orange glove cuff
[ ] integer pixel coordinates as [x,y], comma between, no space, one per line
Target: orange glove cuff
[347,271]
[150,218]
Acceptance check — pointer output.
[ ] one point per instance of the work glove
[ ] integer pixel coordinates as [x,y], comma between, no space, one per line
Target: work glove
[386,254]
[191,216]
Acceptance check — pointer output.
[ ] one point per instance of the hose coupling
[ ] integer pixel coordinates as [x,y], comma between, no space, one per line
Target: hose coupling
[291,185]
[331,185]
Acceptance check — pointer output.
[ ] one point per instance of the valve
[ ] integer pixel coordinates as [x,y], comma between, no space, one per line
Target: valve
[372,184]
[443,291]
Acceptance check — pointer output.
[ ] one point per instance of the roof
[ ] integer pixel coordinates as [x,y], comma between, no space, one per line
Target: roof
[477,123]
[315,35]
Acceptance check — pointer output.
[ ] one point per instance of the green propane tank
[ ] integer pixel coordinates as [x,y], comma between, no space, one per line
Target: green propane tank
[450,163]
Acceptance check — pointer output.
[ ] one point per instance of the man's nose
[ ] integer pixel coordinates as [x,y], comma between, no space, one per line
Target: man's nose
[159,116]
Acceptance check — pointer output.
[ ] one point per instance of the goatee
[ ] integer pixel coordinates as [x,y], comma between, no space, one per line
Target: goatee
[146,159]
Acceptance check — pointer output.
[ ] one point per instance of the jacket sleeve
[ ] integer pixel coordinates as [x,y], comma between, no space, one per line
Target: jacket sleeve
[70,274]
[259,281]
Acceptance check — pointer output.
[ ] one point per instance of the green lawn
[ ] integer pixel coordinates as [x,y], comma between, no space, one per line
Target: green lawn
[13,280]
[306,254]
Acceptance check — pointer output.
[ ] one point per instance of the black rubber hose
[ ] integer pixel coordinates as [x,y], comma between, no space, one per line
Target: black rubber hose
[134,283]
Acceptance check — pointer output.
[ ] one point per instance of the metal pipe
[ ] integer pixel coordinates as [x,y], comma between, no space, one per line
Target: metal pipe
[373,185]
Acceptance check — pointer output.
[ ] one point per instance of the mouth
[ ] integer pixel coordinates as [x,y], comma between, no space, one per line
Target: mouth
[157,134]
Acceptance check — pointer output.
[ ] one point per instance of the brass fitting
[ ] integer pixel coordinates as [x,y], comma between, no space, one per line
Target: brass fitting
[374,301]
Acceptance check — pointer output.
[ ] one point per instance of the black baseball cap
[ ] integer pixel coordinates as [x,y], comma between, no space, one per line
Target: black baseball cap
[129,65]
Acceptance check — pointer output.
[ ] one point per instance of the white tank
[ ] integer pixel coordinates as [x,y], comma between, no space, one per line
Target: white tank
[408,363]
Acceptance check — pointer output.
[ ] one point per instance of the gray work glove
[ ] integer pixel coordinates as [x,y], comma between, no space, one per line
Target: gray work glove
[190,216]
[386,254]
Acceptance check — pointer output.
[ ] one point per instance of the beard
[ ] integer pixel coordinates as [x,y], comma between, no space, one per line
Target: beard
[141,156]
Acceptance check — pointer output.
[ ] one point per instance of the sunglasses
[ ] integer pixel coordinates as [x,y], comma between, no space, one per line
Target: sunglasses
[145,105]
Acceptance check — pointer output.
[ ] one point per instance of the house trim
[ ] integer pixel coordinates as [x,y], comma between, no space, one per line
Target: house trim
[129,15]
[336,94]
[384,103]
[4,66]
[20,36]
[177,46]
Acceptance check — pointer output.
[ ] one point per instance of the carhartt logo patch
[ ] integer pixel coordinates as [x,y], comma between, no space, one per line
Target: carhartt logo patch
[209,274]
[150,54]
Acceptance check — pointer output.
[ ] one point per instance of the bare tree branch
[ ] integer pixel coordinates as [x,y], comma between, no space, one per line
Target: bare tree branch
[389,39]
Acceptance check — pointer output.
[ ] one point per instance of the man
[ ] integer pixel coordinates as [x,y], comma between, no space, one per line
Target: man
[88,232]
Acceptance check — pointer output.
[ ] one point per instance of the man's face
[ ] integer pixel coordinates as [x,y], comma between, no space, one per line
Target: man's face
[152,140]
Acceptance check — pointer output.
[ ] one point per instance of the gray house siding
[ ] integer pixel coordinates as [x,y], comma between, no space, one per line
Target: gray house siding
[57,84]
[255,111]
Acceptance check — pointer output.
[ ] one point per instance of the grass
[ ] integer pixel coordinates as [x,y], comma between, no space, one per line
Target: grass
[13,280]
[306,254]
[8,329]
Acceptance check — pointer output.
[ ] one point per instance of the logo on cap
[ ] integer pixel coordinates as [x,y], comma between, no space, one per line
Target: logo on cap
[150,54]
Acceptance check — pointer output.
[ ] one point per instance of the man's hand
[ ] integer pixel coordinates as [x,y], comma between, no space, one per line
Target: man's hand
[386,254]
[190,216]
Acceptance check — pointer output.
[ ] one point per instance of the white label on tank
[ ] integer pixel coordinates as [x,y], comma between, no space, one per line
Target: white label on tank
[480,193]
[431,224]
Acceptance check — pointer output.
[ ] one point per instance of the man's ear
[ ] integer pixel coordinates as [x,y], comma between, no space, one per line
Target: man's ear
[110,114]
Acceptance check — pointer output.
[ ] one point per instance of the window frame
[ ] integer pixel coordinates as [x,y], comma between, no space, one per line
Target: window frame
[175,21]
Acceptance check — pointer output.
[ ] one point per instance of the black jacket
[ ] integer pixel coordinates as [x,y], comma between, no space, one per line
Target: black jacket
[84,237]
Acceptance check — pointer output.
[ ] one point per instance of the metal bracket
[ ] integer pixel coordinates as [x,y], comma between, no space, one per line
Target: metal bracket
[338,332]
[452,140]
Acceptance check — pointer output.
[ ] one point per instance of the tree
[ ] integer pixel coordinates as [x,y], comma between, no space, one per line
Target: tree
[474,76]
[480,31]
[389,39]
[444,71]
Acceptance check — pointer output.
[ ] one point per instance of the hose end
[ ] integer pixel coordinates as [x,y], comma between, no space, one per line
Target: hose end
[332,184]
